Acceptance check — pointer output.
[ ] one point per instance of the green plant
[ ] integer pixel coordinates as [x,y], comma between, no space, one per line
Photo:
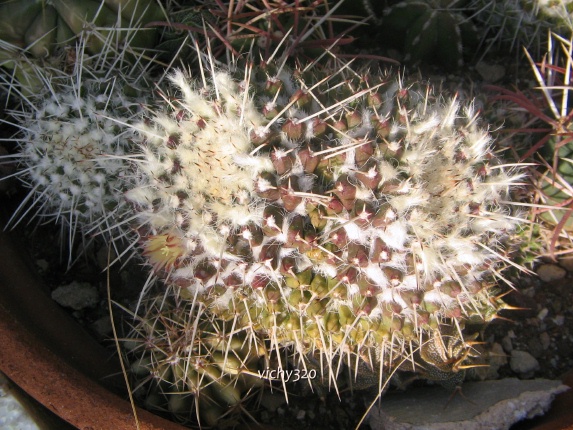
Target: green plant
[38,38]
[520,23]
[428,31]
[39,26]
[186,362]
[346,215]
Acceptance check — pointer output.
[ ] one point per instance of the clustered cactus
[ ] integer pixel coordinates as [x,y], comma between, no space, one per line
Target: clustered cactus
[340,214]
[315,214]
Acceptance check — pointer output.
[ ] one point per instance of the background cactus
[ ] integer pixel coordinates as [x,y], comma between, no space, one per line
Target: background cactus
[343,214]
[191,364]
[521,23]
[51,36]
[435,31]
[39,26]
[302,28]
[73,141]
[549,120]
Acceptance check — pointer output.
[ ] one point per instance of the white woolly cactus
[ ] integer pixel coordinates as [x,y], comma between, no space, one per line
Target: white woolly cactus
[342,214]
[202,152]
[73,141]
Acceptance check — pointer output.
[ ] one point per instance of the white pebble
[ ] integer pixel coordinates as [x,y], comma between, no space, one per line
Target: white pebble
[523,362]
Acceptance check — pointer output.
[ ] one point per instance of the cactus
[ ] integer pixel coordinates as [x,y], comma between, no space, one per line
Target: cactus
[549,119]
[20,72]
[73,141]
[555,183]
[35,34]
[301,28]
[39,26]
[185,361]
[429,31]
[521,23]
[342,214]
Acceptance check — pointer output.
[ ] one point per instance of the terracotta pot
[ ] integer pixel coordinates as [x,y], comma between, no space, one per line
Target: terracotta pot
[45,352]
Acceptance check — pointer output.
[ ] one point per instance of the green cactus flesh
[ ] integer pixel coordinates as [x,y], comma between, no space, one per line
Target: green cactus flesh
[521,23]
[185,361]
[40,26]
[555,186]
[430,31]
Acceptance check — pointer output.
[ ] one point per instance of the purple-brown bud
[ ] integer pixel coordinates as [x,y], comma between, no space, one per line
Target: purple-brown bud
[282,161]
[308,159]
[288,194]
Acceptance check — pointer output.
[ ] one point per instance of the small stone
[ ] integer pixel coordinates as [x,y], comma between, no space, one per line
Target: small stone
[42,264]
[496,359]
[542,314]
[102,327]
[300,415]
[551,272]
[534,347]
[507,344]
[559,320]
[77,295]
[523,363]
[102,256]
[273,401]
[545,340]
[567,263]
[490,73]
[265,417]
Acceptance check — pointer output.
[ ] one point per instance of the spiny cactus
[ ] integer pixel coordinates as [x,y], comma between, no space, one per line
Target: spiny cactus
[189,363]
[73,141]
[52,36]
[545,137]
[20,73]
[521,23]
[301,28]
[343,214]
